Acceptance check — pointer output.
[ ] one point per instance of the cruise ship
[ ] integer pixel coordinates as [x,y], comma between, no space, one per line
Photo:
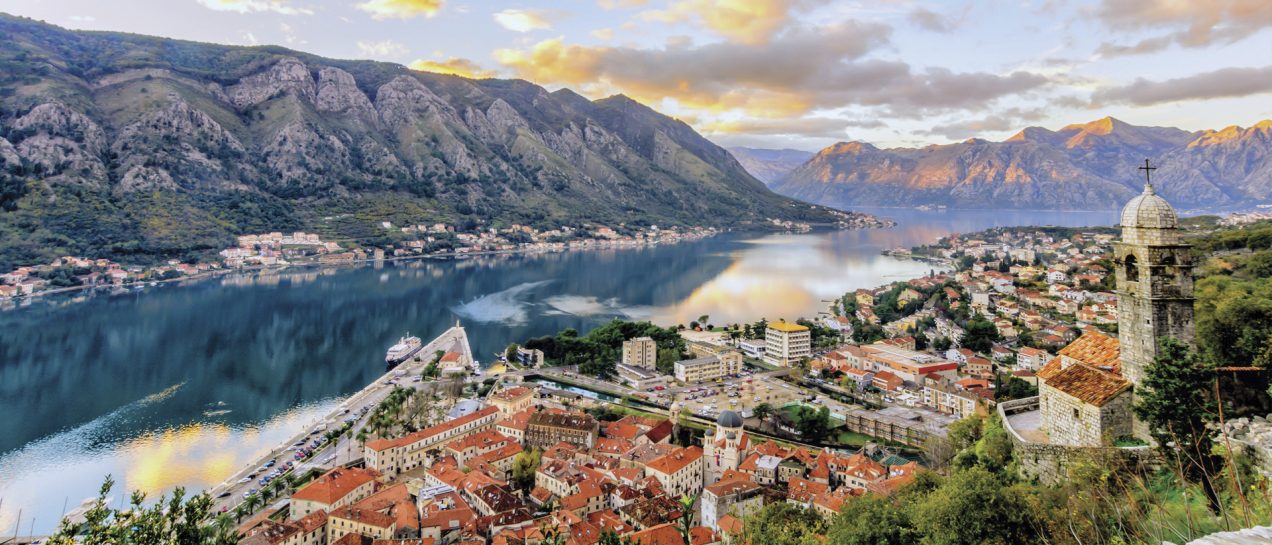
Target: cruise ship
[405,349]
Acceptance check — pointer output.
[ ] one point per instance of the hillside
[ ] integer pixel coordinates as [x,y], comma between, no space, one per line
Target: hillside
[135,147]
[1090,166]
[769,165]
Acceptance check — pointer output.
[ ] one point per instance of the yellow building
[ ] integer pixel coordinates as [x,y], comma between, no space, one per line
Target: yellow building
[785,343]
[725,363]
[640,352]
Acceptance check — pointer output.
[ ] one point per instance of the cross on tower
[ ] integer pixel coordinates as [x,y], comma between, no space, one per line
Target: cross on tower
[1148,172]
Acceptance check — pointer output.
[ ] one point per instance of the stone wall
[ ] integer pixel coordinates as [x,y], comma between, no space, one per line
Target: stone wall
[1050,463]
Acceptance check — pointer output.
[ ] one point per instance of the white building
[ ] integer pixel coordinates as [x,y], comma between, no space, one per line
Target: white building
[785,343]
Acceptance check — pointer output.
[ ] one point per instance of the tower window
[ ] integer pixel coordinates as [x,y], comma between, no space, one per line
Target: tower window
[1076,414]
[1132,268]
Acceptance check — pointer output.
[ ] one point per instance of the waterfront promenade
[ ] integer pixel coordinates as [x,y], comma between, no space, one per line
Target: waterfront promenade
[345,448]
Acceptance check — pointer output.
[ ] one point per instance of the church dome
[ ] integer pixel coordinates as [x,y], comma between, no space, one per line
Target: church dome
[730,419]
[1148,210]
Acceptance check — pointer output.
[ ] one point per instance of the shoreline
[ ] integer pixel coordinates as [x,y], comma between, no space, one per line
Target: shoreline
[21,301]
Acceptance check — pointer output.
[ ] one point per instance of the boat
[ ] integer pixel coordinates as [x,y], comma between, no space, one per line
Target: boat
[405,349]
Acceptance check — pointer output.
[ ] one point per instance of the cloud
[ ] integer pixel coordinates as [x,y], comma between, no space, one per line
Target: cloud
[400,9]
[382,49]
[283,7]
[1189,24]
[748,22]
[523,20]
[930,20]
[454,66]
[798,71]
[810,127]
[621,4]
[605,34]
[1010,119]
[1222,83]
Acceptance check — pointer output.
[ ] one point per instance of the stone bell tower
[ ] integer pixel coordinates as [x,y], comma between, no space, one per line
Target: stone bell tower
[1154,281]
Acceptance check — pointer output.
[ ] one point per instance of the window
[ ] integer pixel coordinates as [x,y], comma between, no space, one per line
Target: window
[1132,268]
[1076,414]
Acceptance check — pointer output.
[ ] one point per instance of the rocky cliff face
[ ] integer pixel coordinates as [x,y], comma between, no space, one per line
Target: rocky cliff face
[305,139]
[1091,166]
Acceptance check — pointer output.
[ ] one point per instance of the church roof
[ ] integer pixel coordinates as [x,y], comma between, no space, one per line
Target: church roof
[1147,210]
[1088,384]
[1096,349]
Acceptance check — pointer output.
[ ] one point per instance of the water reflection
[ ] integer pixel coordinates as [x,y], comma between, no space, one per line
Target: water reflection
[178,385]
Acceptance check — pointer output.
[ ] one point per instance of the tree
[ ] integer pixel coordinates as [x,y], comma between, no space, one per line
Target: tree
[687,504]
[872,519]
[1175,400]
[173,520]
[941,344]
[973,507]
[510,353]
[524,466]
[762,411]
[812,424]
[920,341]
[783,523]
[981,335]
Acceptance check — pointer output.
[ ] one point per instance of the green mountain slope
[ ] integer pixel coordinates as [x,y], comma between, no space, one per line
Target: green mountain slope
[120,145]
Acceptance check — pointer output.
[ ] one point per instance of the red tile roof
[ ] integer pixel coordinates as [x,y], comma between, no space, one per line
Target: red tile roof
[1088,384]
[675,461]
[385,444]
[663,534]
[1096,349]
[335,484]
[363,516]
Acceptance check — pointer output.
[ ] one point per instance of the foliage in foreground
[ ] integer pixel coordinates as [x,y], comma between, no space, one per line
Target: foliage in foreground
[169,521]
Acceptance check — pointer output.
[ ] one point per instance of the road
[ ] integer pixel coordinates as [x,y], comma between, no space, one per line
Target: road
[233,491]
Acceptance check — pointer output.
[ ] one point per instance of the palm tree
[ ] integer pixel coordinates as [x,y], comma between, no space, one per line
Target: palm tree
[686,515]
[239,511]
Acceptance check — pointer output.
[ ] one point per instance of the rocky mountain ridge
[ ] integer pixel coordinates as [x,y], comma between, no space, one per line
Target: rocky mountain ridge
[1087,166]
[115,143]
[770,165]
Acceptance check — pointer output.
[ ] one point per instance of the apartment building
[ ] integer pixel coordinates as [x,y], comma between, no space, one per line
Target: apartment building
[640,352]
[546,429]
[725,363]
[786,343]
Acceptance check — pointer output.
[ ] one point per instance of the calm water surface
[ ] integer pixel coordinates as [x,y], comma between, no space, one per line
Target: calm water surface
[180,385]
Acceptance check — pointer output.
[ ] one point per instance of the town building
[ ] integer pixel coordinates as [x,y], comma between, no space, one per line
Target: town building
[680,472]
[726,363]
[393,456]
[334,489]
[786,343]
[640,352]
[546,429]
[511,400]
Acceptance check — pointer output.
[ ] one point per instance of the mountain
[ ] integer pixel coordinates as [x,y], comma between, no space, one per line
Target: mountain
[118,145]
[1090,166]
[769,165]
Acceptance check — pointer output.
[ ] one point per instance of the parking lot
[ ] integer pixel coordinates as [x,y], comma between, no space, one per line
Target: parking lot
[737,394]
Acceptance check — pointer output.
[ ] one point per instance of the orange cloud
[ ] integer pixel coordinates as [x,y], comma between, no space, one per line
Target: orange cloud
[400,9]
[742,21]
[454,66]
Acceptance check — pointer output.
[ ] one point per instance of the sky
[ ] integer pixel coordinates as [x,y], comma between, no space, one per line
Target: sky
[800,74]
